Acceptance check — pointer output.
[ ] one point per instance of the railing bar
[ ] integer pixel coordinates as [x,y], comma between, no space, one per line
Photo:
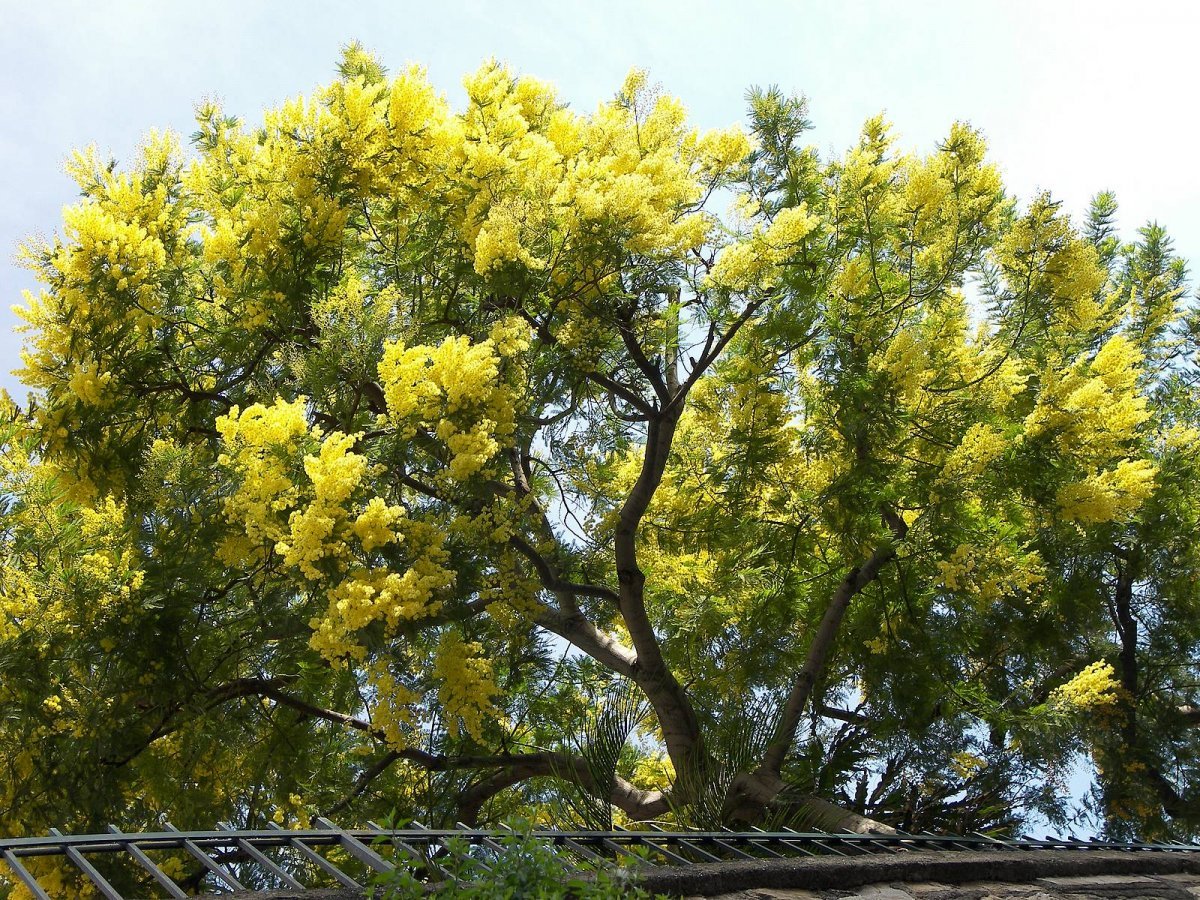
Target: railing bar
[801,845]
[797,844]
[815,841]
[433,842]
[763,846]
[762,843]
[683,842]
[830,848]
[945,840]
[310,854]
[993,841]
[101,843]
[736,851]
[270,865]
[696,848]
[663,848]
[583,851]
[908,837]
[84,865]
[681,847]
[794,846]
[480,838]
[267,863]
[149,865]
[413,852]
[106,843]
[357,848]
[207,861]
[854,846]
[24,874]
[438,839]
[716,840]
[573,869]
[624,851]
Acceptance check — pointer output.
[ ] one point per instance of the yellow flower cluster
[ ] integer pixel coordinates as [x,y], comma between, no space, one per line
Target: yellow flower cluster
[992,575]
[395,711]
[1108,495]
[1092,414]
[1095,408]
[542,180]
[652,771]
[108,563]
[454,389]
[953,571]
[88,384]
[376,525]
[1096,686]
[1042,252]
[304,520]
[260,447]
[103,270]
[20,598]
[907,364]
[315,532]
[365,596]
[981,445]
[77,568]
[292,810]
[322,522]
[967,765]
[102,239]
[755,261]
[466,685]
[58,878]
[510,336]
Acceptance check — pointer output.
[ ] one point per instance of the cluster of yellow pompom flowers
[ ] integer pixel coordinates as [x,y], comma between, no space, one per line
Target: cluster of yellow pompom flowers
[1096,686]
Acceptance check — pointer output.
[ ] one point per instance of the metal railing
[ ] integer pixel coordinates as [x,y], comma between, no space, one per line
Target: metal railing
[233,860]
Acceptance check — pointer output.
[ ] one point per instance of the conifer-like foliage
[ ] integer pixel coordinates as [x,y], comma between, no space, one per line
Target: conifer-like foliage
[467,463]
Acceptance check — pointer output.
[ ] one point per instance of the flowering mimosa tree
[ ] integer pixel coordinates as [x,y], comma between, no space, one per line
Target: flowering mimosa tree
[387,456]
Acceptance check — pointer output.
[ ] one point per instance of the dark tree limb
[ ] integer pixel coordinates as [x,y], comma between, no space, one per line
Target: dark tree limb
[818,653]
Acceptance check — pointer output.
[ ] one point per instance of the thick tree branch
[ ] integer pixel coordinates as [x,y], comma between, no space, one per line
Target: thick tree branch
[1182,807]
[639,805]
[273,688]
[647,368]
[636,803]
[844,715]
[364,780]
[552,582]
[712,350]
[672,706]
[602,379]
[567,621]
[818,653]
[671,703]
[573,626]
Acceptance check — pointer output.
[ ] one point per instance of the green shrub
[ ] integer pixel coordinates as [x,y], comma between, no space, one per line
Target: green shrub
[524,869]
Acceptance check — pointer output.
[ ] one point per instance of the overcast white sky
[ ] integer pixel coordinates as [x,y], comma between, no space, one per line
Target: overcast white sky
[1074,97]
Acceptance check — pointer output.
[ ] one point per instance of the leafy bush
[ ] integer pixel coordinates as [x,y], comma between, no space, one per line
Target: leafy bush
[524,869]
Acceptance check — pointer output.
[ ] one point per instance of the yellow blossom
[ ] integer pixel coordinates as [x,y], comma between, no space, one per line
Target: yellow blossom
[1095,686]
